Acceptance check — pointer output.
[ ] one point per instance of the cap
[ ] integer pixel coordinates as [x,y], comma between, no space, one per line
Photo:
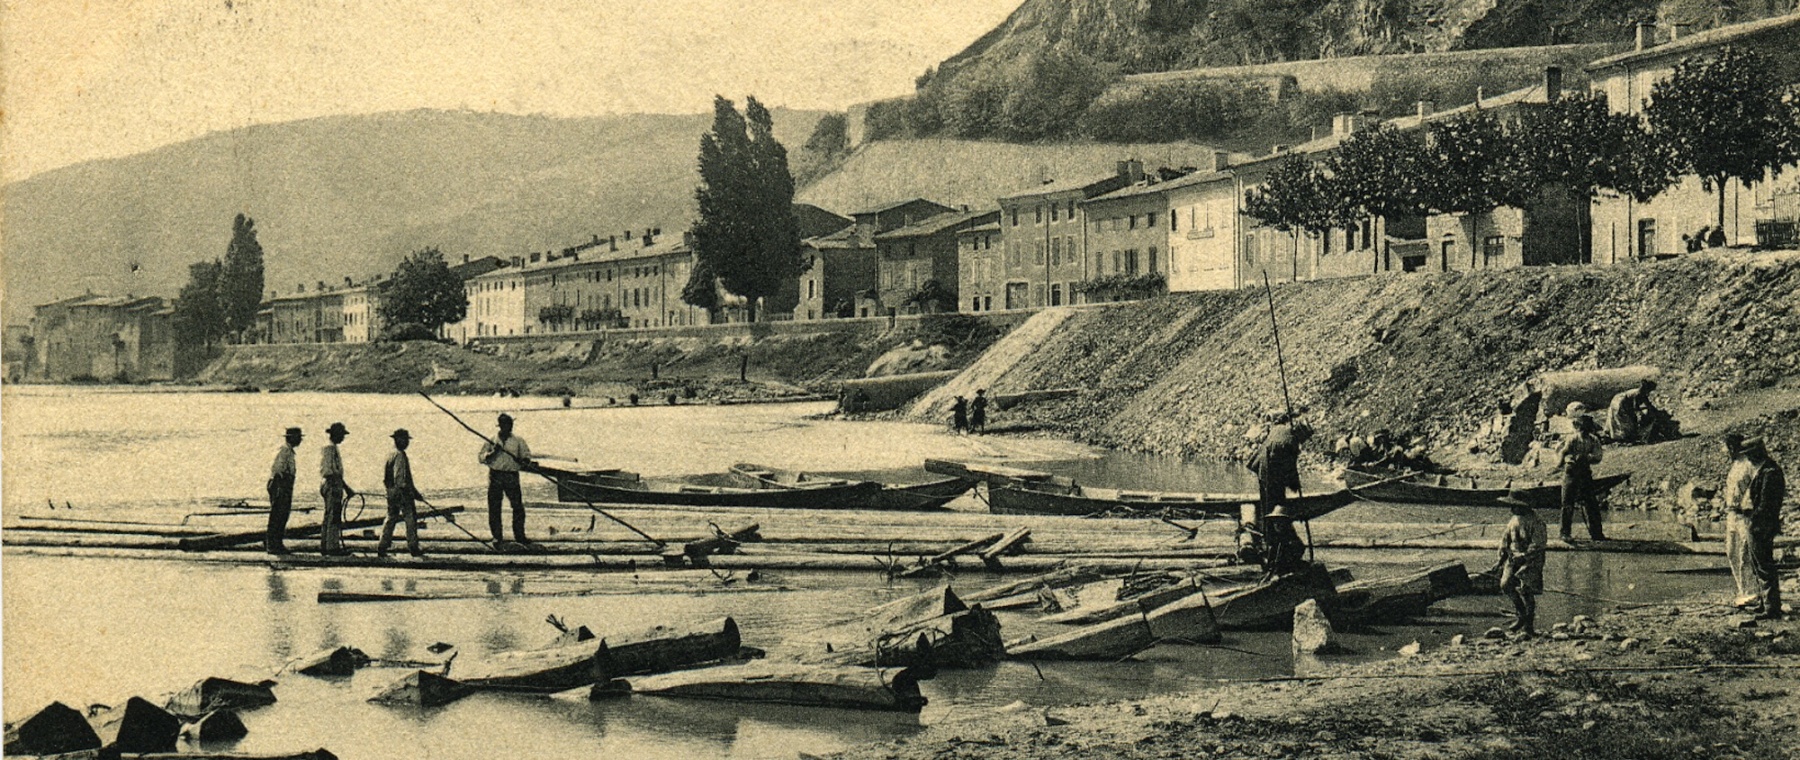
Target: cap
[1753,443]
[1279,511]
[294,431]
[505,418]
[401,433]
[338,427]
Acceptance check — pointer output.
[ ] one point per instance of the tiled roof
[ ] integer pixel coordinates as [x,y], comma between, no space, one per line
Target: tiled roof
[1053,187]
[1141,189]
[935,224]
[1698,41]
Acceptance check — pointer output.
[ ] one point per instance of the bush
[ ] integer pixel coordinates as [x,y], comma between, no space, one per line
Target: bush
[407,331]
[1121,286]
[955,329]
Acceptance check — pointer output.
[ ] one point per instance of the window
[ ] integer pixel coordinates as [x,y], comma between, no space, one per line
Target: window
[1015,216]
[1038,213]
[1493,247]
[1368,232]
[1249,248]
[1175,220]
[1150,220]
[1055,251]
[1056,295]
[1118,262]
[1152,260]
[987,303]
[1053,210]
[1069,250]
[1071,210]
[1646,238]
[1131,262]
[1038,251]
[1131,222]
[1325,242]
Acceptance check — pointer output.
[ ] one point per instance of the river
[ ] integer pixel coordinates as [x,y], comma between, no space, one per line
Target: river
[85,630]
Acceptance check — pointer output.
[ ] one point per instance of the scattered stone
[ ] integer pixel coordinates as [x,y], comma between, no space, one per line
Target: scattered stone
[1412,649]
[1746,622]
[217,726]
[1589,725]
[137,727]
[440,648]
[1629,644]
[1560,628]
[211,694]
[56,729]
[1052,720]
[1494,633]
[1584,657]
[1458,640]
[1765,634]
[425,689]
[1670,641]
[342,661]
[1312,631]
[1559,636]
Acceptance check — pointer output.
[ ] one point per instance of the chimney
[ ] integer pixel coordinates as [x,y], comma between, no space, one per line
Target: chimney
[1276,150]
[612,242]
[648,237]
[1426,107]
[1677,31]
[321,286]
[534,257]
[301,288]
[1220,160]
[1552,84]
[687,238]
[465,258]
[1132,170]
[657,232]
[348,283]
[1646,35]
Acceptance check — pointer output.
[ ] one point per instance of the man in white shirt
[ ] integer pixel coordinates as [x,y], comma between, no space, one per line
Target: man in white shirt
[1737,520]
[281,493]
[505,456]
[335,491]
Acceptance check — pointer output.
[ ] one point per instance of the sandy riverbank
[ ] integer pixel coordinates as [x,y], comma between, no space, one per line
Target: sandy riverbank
[1684,679]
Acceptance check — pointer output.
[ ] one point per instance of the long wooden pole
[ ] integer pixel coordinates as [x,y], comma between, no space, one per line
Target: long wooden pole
[1287,400]
[542,474]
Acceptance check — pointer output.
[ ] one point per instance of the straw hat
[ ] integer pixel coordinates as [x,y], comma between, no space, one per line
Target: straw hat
[338,427]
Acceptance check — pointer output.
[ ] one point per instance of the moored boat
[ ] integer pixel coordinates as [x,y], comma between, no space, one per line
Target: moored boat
[847,687]
[1459,490]
[575,486]
[888,496]
[1053,498]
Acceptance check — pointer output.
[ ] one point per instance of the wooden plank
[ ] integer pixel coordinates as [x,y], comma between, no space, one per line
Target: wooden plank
[1013,542]
[226,540]
[933,563]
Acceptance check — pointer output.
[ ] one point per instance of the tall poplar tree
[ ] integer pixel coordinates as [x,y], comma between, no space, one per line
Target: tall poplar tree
[746,235]
[240,283]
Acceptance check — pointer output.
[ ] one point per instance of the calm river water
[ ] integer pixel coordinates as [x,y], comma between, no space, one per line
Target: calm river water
[85,630]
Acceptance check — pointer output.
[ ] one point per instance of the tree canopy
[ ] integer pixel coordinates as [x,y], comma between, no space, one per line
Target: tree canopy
[1578,143]
[240,281]
[199,318]
[746,236]
[1726,116]
[1298,195]
[424,292]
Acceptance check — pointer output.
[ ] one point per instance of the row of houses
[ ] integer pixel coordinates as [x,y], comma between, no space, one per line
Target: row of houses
[1058,243]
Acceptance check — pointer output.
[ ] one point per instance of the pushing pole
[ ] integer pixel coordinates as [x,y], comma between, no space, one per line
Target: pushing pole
[542,474]
[1287,400]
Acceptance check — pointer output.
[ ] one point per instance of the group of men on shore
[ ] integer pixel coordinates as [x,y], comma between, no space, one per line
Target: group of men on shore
[1755,488]
[504,455]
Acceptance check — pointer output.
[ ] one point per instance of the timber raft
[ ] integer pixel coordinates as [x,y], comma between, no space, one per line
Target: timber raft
[574,538]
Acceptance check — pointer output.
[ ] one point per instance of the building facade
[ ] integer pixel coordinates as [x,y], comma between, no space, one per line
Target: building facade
[979,269]
[1042,249]
[916,265]
[1203,231]
[103,338]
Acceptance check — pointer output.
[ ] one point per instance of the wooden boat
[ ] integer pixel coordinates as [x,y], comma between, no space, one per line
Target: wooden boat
[422,688]
[1268,604]
[1461,490]
[848,687]
[537,670]
[575,486]
[921,496]
[1134,606]
[1055,498]
[931,628]
[1112,640]
[1397,597]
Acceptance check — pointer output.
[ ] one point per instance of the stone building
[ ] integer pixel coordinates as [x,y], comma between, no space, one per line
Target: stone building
[921,257]
[1042,254]
[103,338]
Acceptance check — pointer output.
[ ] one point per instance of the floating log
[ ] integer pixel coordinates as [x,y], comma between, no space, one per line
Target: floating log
[537,670]
[211,694]
[422,688]
[1398,597]
[1141,604]
[935,563]
[665,648]
[793,684]
[317,754]
[56,729]
[1188,620]
[1269,604]
[227,540]
[1112,640]
[217,726]
[1069,576]
[1312,630]
[1012,543]
[723,542]
[966,639]
[900,613]
[605,690]
[139,726]
[341,661]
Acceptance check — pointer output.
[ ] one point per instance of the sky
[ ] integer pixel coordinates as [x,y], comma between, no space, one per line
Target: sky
[87,79]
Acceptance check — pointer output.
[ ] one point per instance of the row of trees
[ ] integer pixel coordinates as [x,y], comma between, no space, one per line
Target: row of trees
[1720,118]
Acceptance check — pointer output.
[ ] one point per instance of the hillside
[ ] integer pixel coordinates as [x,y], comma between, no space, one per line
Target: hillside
[1426,355]
[975,172]
[350,195]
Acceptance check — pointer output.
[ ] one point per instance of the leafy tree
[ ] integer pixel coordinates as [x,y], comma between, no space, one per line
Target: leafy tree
[830,135]
[702,290]
[240,283]
[1469,167]
[746,235]
[1299,195]
[1049,95]
[424,291]
[1727,117]
[1578,143]
[199,318]
[1380,170]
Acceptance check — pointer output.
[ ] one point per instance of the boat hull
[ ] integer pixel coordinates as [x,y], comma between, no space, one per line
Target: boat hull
[575,489]
[1023,499]
[1376,488]
[920,497]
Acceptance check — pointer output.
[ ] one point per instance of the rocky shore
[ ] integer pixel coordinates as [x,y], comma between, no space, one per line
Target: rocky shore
[1686,679]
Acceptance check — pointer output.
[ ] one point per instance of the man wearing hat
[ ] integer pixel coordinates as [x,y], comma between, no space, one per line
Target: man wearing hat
[402,498]
[504,456]
[1277,466]
[281,493]
[1579,455]
[1522,547]
[1768,488]
[1631,414]
[335,492]
[1287,553]
[1735,498]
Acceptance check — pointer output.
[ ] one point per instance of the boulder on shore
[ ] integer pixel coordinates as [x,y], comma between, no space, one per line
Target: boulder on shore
[1312,630]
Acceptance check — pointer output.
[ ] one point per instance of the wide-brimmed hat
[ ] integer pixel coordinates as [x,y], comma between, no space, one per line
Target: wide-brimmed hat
[338,427]
[1586,422]
[505,419]
[294,431]
[1278,511]
[1753,445]
[401,433]
[1514,498]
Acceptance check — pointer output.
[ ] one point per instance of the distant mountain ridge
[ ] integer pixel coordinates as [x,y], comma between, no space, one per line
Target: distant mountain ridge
[349,196]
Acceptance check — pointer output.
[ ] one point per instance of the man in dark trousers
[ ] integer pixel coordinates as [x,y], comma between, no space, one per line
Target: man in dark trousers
[1277,467]
[978,412]
[1579,455]
[1768,488]
[402,498]
[281,493]
[505,456]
